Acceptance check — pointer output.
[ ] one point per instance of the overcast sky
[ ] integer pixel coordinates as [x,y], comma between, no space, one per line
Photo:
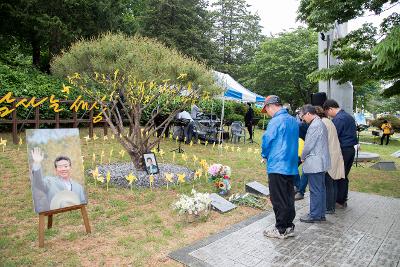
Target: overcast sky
[280,15]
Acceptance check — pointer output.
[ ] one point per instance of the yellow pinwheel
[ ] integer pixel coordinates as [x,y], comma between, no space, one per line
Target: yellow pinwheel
[108,178]
[3,142]
[169,177]
[203,162]
[249,150]
[151,181]
[191,143]
[130,179]
[96,176]
[181,178]
[198,174]
[184,157]
[95,137]
[226,147]
[161,153]
[87,139]
[105,137]
[233,148]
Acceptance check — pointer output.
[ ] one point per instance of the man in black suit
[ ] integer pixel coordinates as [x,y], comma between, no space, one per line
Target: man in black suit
[248,121]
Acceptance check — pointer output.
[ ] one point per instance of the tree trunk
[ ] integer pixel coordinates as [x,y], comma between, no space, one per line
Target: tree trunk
[35,52]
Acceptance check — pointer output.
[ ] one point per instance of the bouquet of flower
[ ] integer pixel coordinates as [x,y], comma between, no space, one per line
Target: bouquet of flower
[195,204]
[220,176]
[248,200]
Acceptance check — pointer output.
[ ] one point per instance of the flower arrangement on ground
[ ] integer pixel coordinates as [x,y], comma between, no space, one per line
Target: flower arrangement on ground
[220,176]
[198,204]
[249,200]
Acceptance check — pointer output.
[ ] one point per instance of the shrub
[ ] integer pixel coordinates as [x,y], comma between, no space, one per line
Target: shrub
[233,117]
[392,119]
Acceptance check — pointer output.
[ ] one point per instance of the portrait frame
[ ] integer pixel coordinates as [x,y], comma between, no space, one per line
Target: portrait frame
[60,154]
[151,166]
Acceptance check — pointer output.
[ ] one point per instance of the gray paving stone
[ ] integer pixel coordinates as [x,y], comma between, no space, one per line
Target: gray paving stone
[367,233]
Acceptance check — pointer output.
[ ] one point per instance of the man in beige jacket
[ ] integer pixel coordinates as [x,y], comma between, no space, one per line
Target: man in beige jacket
[337,165]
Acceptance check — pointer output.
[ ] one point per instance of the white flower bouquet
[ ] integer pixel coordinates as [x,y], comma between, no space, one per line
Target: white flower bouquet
[196,205]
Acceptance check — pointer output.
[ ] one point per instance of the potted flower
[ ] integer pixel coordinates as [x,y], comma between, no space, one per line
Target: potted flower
[220,176]
[193,207]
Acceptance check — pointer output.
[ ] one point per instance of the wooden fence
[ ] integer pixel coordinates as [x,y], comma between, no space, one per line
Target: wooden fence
[75,121]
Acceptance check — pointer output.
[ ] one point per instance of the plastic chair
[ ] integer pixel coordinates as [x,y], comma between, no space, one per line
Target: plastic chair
[237,131]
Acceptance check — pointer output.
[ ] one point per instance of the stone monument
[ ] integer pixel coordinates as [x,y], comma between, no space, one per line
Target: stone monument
[342,93]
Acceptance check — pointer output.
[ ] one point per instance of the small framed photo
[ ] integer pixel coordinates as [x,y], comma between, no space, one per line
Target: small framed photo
[151,163]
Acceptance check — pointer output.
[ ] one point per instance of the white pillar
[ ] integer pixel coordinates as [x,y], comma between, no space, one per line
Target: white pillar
[342,93]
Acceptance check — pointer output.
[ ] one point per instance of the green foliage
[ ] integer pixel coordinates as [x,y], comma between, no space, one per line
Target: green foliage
[233,117]
[281,65]
[363,59]
[263,122]
[392,119]
[184,25]
[237,34]
[49,26]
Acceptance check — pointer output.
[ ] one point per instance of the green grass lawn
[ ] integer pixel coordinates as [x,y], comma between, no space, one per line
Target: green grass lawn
[137,227]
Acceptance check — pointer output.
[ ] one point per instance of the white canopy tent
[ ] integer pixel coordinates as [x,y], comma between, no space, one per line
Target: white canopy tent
[233,90]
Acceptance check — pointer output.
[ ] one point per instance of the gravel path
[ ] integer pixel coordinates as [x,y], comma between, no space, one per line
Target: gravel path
[118,172]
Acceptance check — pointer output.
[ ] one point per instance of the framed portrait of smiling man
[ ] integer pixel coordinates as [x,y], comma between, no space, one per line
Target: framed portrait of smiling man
[56,169]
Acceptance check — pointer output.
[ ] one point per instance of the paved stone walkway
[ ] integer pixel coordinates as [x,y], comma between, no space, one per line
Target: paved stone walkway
[367,233]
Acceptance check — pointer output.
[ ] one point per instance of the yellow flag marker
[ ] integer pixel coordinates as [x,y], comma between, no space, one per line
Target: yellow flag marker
[233,148]
[176,139]
[108,178]
[95,137]
[169,178]
[122,153]
[195,159]
[206,143]
[213,146]
[161,153]
[191,143]
[130,179]
[101,157]
[19,143]
[249,150]
[105,137]
[112,136]
[151,181]
[87,138]
[110,155]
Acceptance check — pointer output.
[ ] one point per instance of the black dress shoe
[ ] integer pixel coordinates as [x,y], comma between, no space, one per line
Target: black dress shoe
[308,219]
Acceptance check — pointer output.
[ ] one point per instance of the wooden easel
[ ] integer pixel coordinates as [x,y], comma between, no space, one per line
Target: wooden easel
[50,220]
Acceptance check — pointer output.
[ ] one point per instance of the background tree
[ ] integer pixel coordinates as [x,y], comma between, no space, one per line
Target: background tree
[237,33]
[181,24]
[368,54]
[49,26]
[132,75]
[281,65]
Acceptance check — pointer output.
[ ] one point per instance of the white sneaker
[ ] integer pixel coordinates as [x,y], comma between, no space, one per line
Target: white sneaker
[289,232]
[274,233]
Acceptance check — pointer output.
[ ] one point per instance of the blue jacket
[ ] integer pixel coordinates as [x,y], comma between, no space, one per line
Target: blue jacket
[280,144]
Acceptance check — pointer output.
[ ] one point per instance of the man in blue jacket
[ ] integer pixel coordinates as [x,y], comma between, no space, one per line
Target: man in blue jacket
[280,150]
